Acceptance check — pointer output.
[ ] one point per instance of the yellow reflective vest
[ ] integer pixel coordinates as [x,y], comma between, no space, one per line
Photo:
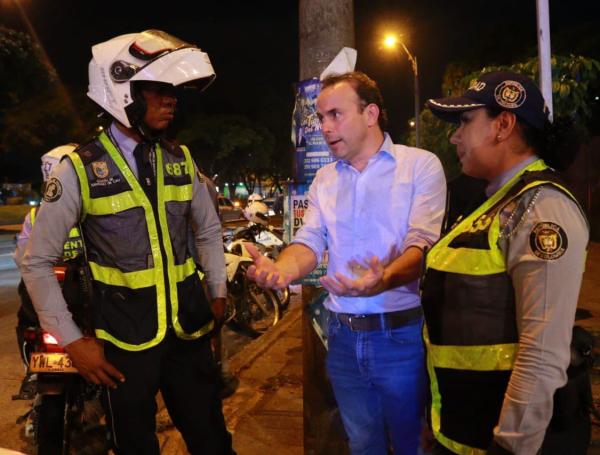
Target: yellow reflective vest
[470,327]
[144,277]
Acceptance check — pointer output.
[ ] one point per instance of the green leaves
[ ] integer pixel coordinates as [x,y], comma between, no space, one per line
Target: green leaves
[575,81]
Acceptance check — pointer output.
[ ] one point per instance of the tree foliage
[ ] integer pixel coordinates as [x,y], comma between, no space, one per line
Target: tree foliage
[36,111]
[573,81]
[230,146]
[37,125]
[22,70]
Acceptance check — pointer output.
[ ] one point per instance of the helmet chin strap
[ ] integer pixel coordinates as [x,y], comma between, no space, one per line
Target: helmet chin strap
[136,112]
[148,134]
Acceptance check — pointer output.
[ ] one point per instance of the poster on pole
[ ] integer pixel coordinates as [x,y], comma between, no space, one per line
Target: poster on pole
[312,152]
[298,205]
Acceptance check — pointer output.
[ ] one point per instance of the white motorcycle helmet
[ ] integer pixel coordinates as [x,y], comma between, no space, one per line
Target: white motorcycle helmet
[254,197]
[257,212]
[53,157]
[151,55]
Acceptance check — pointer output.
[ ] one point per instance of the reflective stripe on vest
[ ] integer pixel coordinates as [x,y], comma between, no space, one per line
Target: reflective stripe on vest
[153,275]
[72,247]
[480,262]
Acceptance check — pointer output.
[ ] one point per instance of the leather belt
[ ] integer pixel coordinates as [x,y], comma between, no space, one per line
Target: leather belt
[380,321]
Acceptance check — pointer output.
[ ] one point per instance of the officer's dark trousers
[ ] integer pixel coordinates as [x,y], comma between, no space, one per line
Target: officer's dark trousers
[185,374]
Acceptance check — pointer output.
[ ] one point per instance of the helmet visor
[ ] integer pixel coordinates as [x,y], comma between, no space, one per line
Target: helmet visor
[152,43]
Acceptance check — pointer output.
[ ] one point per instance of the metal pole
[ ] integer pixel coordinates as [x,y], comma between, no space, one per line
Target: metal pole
[417,105]
[544,52]
[415,70]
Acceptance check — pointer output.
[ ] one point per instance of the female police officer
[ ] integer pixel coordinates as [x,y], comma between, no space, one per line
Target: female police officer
[501,286]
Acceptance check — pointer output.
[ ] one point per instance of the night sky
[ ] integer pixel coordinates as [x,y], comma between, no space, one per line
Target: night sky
[253,45]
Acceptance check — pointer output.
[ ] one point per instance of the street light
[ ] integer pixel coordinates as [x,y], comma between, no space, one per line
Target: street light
[390,42]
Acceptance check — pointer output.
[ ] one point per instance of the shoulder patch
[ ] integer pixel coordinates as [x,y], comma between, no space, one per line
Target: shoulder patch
[53,190]
[548,241]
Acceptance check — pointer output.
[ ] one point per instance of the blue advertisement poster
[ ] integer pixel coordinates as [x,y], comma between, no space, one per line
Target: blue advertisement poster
[312,153]
[311,149]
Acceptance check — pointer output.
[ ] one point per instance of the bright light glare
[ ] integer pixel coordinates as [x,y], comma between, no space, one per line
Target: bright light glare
[49,339]
[390,41]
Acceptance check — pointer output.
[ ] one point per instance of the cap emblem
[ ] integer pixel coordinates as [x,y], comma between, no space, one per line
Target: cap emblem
[477,86]
[510,94]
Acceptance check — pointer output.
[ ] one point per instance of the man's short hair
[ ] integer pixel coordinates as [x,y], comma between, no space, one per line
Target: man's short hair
[366,89]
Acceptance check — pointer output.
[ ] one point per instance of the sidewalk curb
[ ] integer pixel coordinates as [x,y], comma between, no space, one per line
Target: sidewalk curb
[256,348]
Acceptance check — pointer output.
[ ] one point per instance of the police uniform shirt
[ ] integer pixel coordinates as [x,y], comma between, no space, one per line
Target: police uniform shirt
[544,241]
[22,239]
[55,219]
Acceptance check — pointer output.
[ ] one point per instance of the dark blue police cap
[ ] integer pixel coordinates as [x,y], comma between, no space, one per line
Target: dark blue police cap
[504,90]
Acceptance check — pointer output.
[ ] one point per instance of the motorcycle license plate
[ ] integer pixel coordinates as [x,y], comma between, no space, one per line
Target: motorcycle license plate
[51,362]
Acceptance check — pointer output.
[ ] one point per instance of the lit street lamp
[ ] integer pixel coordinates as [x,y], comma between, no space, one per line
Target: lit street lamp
[390,42]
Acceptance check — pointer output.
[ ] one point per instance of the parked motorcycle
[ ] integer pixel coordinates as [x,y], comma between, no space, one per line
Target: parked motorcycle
[265,237]
[66,412]
[250,308]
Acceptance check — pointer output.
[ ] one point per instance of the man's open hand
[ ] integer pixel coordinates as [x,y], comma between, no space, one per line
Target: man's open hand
[369,281]
[87,355]
[265,272]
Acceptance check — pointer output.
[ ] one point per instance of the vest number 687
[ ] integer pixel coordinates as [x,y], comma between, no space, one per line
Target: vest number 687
[176,168]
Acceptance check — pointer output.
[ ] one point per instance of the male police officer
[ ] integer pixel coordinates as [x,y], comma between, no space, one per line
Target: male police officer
[137,195]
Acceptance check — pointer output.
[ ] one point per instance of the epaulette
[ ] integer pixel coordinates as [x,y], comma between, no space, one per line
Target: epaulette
[90,151]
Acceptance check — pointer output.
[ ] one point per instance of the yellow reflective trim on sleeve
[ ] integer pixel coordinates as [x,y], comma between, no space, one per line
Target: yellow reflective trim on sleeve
[436,406]
[84,185]
[32,213]
[104,335]
[132,280]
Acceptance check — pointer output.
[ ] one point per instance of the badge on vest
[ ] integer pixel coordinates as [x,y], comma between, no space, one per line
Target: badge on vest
[177,169]
[100,169]
[548,241]
[53,190]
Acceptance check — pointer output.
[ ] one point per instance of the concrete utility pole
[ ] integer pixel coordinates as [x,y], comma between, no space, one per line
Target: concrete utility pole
[325,27]
[544,52]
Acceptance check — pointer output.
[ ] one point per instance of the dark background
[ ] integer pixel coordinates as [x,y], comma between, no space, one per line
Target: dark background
[253,45]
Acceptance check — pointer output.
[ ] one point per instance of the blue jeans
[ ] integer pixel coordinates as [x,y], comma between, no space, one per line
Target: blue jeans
[379,381]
